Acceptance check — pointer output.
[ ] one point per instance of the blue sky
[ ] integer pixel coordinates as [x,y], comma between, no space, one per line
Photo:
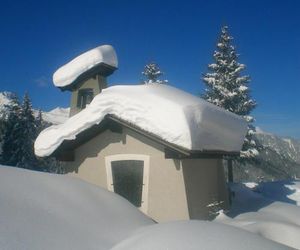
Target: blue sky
[37,37]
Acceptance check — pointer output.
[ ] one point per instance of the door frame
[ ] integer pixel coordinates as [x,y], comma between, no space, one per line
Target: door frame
[122,157]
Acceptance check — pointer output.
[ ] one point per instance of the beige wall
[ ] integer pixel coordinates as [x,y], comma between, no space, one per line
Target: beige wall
[177,189]
[96,83]
[205,184]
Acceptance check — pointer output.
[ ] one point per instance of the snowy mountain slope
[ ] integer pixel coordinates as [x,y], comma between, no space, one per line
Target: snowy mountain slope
[55,116]
[286,147]
[279,159]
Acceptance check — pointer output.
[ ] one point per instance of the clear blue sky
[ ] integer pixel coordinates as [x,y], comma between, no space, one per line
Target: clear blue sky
[37,37]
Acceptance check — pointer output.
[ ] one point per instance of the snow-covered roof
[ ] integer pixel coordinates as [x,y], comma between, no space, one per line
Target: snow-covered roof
[68,73]
[173,115]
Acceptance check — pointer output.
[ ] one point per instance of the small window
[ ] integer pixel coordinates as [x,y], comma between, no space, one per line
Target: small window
[128,180]
[85,96]
[128,176]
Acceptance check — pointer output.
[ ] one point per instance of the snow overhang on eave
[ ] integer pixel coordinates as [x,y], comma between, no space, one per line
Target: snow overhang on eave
[102,69]
[65,151]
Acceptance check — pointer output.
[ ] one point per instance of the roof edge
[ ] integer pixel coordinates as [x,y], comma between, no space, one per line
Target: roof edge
[184,153]
[101,68]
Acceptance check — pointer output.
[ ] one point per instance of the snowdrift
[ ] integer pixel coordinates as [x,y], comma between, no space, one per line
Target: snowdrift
[173,115]
[195,235]
[262,214]
[47,211]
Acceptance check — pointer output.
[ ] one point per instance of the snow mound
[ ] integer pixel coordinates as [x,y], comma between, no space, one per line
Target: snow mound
[255,208]
[278,222]
[68,73]
[173,115]
[194,235]
[47,211]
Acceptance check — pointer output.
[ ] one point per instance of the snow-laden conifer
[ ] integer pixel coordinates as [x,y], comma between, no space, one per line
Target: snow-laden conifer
[228,88]
[152,73]
[11,147]
[29,127]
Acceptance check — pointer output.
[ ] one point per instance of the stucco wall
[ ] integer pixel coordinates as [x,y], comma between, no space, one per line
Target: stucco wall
[205,184]
[96,83]
[169,197]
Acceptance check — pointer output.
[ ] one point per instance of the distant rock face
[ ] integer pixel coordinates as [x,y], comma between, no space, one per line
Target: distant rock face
[286,147]
[279,159]
[55,116]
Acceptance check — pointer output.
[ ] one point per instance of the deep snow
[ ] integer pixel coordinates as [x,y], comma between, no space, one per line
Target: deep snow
[68,73]
[169,113]
[259,208]
[48,211]
[195,235]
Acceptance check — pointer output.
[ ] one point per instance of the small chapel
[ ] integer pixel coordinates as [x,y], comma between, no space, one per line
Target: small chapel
[155,145]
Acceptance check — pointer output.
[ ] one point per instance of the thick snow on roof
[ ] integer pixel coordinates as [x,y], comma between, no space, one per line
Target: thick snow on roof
[68,73]
[173,115]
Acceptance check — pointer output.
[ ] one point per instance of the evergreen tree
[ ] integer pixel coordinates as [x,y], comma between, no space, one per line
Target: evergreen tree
[152,74]
[20,129]
[228,88]
[11,148]
[29,127]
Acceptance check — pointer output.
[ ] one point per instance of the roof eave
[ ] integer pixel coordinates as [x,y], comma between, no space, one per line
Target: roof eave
[171,150]
[100,68]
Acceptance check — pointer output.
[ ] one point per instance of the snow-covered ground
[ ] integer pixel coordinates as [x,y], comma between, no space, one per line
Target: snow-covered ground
[48,211]
[267,209]
[195,235]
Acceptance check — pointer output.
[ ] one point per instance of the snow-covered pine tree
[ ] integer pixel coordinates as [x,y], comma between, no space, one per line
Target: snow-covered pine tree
[29,127]
[228,88]
[12,144]
[152,73]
